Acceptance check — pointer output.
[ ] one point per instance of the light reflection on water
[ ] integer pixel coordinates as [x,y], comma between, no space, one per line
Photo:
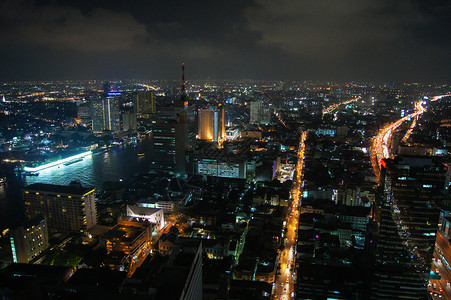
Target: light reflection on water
[93,170]
[122,163]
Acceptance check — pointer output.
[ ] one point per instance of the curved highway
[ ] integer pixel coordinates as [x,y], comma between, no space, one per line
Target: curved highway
[382,141]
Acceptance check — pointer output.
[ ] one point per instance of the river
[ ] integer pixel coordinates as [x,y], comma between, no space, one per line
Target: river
[113,165]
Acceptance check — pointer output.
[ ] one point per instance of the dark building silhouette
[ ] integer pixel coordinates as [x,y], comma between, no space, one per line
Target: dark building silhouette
[406,219]
[174,133]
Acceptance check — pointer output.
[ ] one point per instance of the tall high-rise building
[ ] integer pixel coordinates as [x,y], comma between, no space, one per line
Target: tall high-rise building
[129,121]
[67,208]
[260,113]
[97,115]
[211,124]
[173,134]
[406,219]
[29,240]
[145,104]
[84,114]
[105,111]
[111,114]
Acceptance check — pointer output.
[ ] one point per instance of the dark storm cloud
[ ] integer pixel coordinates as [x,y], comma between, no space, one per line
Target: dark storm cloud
[143,40]
[312,28]
[438,28]
[355,39]
[66,28]
[329,39]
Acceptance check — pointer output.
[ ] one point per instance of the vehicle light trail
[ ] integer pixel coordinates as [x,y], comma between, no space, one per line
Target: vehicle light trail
[335,106]
[382,141]
[409,132]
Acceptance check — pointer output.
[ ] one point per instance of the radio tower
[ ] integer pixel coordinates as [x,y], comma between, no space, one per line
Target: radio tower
[183,97]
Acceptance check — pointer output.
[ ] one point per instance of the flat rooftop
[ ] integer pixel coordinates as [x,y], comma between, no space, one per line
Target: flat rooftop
[124,232]
[59,189]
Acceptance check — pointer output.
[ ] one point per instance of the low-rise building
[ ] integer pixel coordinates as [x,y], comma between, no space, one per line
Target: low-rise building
[153,215]
[129,237]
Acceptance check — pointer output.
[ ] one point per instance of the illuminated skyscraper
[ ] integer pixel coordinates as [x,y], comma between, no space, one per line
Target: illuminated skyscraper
[105,111]
[97,115]
[111,114]
[145,104]
[211,124]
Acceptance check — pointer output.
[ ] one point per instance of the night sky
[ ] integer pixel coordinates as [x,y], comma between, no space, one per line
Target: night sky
[381,40]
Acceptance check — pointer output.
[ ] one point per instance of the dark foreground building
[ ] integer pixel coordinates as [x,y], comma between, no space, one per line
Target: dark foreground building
[406,219]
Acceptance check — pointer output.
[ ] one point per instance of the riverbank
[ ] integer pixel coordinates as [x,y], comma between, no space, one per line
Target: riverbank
[113,164]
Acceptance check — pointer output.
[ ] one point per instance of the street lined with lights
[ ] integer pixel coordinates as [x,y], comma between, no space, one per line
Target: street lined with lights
[286,279]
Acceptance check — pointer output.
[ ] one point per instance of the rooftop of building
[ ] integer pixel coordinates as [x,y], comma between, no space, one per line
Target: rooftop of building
[244,289]
[33,222]
[413,161]
[61,189]
[88,278]
[140,210]
[124,232]
[47,275]
[166,275]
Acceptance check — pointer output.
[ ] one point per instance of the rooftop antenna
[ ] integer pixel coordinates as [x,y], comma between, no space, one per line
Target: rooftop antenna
[183,78]
[183,97]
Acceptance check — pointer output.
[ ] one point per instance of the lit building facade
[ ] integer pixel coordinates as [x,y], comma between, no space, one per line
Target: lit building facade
[145,104]
[232,133]
[153,215]
[97,115]
[29,240]
[111,114]
[105,114]
[105,111]
[67,208]
[218,168]
[166,205]
[129,236]
[212,124]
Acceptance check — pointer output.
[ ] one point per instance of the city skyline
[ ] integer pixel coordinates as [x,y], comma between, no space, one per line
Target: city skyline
[355,40]
[306,183]
[307,155]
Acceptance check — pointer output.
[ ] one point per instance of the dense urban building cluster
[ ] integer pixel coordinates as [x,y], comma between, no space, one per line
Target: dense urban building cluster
[225,190]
